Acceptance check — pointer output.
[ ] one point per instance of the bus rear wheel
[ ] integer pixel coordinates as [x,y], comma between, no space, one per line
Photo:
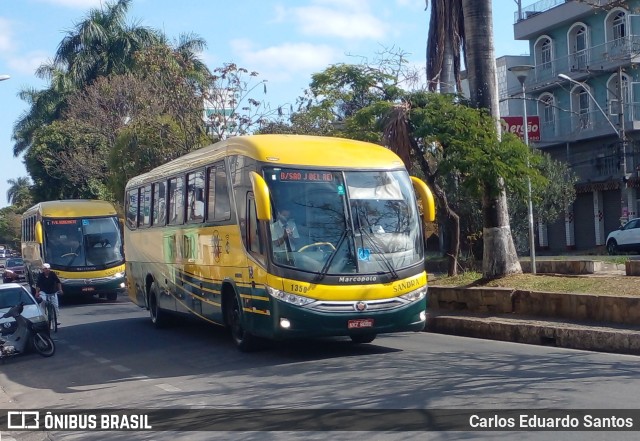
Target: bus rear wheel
[362,338]
[243,339]
[158,316]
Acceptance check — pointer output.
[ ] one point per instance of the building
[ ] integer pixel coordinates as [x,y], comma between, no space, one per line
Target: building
[585,88]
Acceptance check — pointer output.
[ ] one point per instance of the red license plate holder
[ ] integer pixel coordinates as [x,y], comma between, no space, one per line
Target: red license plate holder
[360,323]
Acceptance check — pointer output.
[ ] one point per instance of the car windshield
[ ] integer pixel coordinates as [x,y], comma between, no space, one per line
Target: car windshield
[90,242]
[14,262]
[333,222]
[12,296]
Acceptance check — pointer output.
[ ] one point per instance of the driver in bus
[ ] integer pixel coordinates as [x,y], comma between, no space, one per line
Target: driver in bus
[284,232]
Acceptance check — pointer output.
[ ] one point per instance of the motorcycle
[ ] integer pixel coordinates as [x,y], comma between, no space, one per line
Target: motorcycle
[26,335]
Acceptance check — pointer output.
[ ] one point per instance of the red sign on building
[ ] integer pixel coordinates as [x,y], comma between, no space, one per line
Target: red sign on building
[513,124]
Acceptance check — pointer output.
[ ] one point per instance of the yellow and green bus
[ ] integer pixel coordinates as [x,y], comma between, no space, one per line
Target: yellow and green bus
[203,238]
[82,241]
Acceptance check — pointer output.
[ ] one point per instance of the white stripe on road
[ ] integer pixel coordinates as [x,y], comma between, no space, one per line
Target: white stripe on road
[168,387]
[102,360]
[87,353]
[120,368]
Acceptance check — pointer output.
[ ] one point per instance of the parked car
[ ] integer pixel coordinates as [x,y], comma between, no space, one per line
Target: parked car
[13,270]
[625,238]
[10,295]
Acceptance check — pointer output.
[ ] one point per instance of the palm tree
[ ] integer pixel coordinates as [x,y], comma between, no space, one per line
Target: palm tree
[99,45]
[446,37]
[19,193]
[499,255]
[102,44]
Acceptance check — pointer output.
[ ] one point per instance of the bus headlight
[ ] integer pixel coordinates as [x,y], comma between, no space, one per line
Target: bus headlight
[416,295]
[118,275]
[288,297]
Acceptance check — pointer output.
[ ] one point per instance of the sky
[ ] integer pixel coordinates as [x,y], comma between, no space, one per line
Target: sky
[285,41]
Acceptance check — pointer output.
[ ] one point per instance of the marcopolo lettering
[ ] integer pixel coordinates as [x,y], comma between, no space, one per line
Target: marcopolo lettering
[358,279]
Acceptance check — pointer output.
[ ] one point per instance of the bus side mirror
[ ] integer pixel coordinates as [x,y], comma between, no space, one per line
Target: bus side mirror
[39,237]
[262,198]
[425,195]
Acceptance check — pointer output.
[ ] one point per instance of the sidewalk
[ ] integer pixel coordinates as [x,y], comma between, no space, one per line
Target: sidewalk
[605,323]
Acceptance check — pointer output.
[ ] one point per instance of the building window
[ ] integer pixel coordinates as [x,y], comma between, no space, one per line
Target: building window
[548,114]
[578,47]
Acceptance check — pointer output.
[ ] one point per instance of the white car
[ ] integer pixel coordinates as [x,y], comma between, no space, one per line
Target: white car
[10,295]
[625,238]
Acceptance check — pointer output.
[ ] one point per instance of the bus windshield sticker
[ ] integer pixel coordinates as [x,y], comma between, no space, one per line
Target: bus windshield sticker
[85,221]
[364,254]
[340,190]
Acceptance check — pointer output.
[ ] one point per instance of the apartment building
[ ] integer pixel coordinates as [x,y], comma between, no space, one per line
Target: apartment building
[585,88]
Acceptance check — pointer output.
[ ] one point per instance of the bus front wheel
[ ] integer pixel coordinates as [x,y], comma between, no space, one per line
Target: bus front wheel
[243,339]
[158,316]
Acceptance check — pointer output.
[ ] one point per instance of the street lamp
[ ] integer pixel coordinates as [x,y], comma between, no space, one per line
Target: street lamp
[623,140]
[4,77]
[521,72]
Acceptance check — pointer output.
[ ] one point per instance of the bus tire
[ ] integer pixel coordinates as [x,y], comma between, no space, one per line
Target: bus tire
[158,316]
[243,339]
[362,338]
[112,296]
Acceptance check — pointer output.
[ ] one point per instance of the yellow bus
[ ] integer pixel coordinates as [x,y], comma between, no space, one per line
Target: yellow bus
[81,240]
[205,237]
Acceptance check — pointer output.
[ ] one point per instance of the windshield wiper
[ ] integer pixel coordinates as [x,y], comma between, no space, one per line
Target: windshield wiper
[385,260]
[325,268]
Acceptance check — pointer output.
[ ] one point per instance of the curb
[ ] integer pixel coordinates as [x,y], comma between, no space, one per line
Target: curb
[595,337]
[575,321]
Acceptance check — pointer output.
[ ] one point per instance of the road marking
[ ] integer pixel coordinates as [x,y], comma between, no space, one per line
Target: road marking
[168,387]
[74,347]
[102,360]
[87,353]
[120,368]
[141,377]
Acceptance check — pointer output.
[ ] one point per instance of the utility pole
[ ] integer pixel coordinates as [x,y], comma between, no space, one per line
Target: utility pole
[624,194]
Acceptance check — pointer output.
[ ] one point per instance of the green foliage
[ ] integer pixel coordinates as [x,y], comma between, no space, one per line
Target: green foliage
[67,161]
[10,227]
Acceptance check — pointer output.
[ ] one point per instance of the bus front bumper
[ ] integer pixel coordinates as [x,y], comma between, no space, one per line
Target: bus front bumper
[92,286]
[289,321]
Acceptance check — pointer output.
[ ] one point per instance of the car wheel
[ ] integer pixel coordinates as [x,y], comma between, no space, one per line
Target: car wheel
[612,247]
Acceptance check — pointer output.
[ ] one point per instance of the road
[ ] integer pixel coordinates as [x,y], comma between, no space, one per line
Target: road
[109,356]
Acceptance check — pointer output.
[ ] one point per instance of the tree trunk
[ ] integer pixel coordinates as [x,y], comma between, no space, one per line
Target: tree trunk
[499,254]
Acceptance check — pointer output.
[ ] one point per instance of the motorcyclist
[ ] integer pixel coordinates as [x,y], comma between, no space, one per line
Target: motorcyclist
[49,286]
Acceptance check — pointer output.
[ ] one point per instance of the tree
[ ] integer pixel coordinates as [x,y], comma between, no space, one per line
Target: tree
[101,44]
[231,106]
[499,256]
[10,227]
[446,35]
[19,193]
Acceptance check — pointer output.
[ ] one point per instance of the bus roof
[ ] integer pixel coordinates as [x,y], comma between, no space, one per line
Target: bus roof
[73,208]
[284,150]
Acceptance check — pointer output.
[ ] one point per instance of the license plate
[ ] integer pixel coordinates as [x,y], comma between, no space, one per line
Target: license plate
[360,323]
[88,288]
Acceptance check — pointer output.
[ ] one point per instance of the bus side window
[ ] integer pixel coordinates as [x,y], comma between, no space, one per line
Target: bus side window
[218,202]
[132,208]
[176,201]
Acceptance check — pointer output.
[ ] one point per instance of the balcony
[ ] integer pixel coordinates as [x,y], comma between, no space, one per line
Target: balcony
[535,19]
[571,126]
[583,64]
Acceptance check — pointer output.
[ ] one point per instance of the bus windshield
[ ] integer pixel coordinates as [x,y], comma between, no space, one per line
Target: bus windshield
[333,222]
[83,242]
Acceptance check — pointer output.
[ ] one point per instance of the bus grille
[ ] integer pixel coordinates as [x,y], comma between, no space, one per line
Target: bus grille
[350,307]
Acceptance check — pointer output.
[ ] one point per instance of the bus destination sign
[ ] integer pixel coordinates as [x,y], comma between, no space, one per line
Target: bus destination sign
[304,176]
